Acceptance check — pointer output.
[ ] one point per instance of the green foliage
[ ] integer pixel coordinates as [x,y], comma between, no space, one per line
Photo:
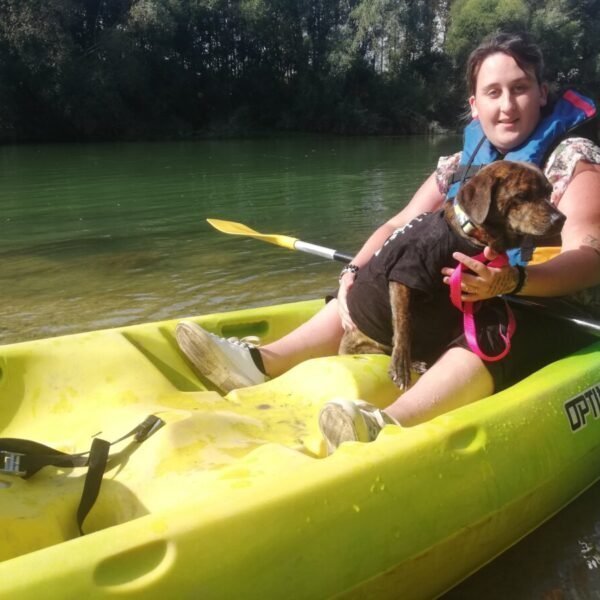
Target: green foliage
[557,25]
[130,69]
[471,20]
[569,30]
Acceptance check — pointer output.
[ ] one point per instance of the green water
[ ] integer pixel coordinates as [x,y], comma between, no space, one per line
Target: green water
[97,236]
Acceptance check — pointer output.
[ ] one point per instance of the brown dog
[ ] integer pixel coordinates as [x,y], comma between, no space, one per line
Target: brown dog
[399,302]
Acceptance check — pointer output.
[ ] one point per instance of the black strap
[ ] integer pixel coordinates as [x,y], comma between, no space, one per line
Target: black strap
[466,169]
[527,248]
[93,479]
[144,430]
[25,458]
[463,173]
[32,456]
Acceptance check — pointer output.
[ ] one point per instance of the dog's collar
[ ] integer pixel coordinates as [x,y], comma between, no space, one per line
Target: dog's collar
[463,220]
[469,228]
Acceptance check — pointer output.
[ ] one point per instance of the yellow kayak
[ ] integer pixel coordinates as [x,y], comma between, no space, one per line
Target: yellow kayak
[233,497]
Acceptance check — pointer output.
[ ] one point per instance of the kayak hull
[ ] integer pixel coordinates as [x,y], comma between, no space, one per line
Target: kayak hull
[234,496]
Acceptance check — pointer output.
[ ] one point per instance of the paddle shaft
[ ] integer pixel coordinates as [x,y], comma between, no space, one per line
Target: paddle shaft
[322,251]
[292,243]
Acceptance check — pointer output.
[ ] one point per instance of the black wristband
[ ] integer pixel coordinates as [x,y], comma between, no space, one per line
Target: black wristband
[521,279]
[349,268]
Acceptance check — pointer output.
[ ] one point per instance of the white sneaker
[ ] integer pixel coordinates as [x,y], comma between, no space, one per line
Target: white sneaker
[345,420]
[225,362]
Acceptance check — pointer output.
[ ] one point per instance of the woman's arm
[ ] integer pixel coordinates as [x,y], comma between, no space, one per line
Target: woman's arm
[578,264]
[426,199]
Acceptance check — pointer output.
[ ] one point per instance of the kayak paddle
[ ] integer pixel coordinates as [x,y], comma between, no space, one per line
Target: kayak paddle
[285,241]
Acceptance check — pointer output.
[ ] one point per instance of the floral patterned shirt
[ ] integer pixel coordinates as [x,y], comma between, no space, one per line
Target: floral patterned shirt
[559,171]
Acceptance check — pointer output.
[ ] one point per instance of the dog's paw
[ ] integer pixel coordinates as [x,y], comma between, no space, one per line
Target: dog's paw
[400,371]
[418,366]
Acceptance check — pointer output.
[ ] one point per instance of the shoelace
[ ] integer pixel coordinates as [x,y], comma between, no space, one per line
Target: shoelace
[248,341]
[379,418]
[377,414]
[374,420]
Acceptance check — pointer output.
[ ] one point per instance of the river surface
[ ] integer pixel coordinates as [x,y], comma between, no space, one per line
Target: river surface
[97,236]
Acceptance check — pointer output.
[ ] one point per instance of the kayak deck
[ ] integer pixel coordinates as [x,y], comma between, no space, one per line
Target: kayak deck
[65,391]
[233,485]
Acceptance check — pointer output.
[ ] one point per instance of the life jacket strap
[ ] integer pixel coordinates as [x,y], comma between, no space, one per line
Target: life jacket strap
[464,173]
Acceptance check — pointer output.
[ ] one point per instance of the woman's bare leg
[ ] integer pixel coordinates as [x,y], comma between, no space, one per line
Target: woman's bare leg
[458,378]
[319,336]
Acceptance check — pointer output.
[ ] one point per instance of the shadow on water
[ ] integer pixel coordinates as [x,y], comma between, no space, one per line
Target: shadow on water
[559,561]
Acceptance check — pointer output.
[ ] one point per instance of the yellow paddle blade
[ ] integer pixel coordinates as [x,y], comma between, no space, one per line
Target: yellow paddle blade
[234,228]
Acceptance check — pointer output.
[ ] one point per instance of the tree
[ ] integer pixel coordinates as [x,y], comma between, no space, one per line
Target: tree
[471,20]
[115,69]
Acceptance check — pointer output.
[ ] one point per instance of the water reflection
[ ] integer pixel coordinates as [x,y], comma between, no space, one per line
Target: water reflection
[105,235]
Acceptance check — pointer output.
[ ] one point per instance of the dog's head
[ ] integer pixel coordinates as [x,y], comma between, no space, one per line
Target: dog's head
[509,200]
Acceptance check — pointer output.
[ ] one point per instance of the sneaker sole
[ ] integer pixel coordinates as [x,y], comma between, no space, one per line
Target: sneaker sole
[209,363]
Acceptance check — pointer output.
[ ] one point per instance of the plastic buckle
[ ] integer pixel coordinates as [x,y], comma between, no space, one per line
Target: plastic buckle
[151,425]
[10,463]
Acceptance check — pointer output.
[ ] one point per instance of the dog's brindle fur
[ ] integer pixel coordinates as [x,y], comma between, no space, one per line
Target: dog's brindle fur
[505,201]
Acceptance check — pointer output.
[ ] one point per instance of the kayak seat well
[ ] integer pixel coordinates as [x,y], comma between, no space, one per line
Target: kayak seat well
[168,359]
[63,392]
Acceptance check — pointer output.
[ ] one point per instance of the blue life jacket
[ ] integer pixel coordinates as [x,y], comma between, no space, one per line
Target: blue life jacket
[570,112]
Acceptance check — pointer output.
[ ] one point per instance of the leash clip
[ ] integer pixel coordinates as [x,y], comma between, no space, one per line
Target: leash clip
[11,463]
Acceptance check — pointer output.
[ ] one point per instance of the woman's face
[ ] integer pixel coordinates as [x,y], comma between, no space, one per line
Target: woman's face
[507,101]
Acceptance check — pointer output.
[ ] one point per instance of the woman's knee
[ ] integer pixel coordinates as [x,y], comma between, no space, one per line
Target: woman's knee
[458,378]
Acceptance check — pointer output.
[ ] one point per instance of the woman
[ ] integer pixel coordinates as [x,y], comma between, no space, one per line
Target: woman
[508,101]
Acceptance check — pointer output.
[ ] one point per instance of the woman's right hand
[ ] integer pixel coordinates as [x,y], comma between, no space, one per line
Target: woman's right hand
[346,282]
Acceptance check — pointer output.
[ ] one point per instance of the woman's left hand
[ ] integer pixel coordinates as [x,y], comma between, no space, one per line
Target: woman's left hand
[482,282]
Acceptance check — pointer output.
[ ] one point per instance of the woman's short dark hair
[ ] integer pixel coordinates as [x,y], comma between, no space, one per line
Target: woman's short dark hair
[520,46]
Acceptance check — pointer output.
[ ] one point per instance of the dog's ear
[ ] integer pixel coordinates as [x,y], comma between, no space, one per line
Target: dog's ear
[475,198]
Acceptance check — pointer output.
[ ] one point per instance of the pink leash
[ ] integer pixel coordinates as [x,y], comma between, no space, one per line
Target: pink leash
[467,309]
